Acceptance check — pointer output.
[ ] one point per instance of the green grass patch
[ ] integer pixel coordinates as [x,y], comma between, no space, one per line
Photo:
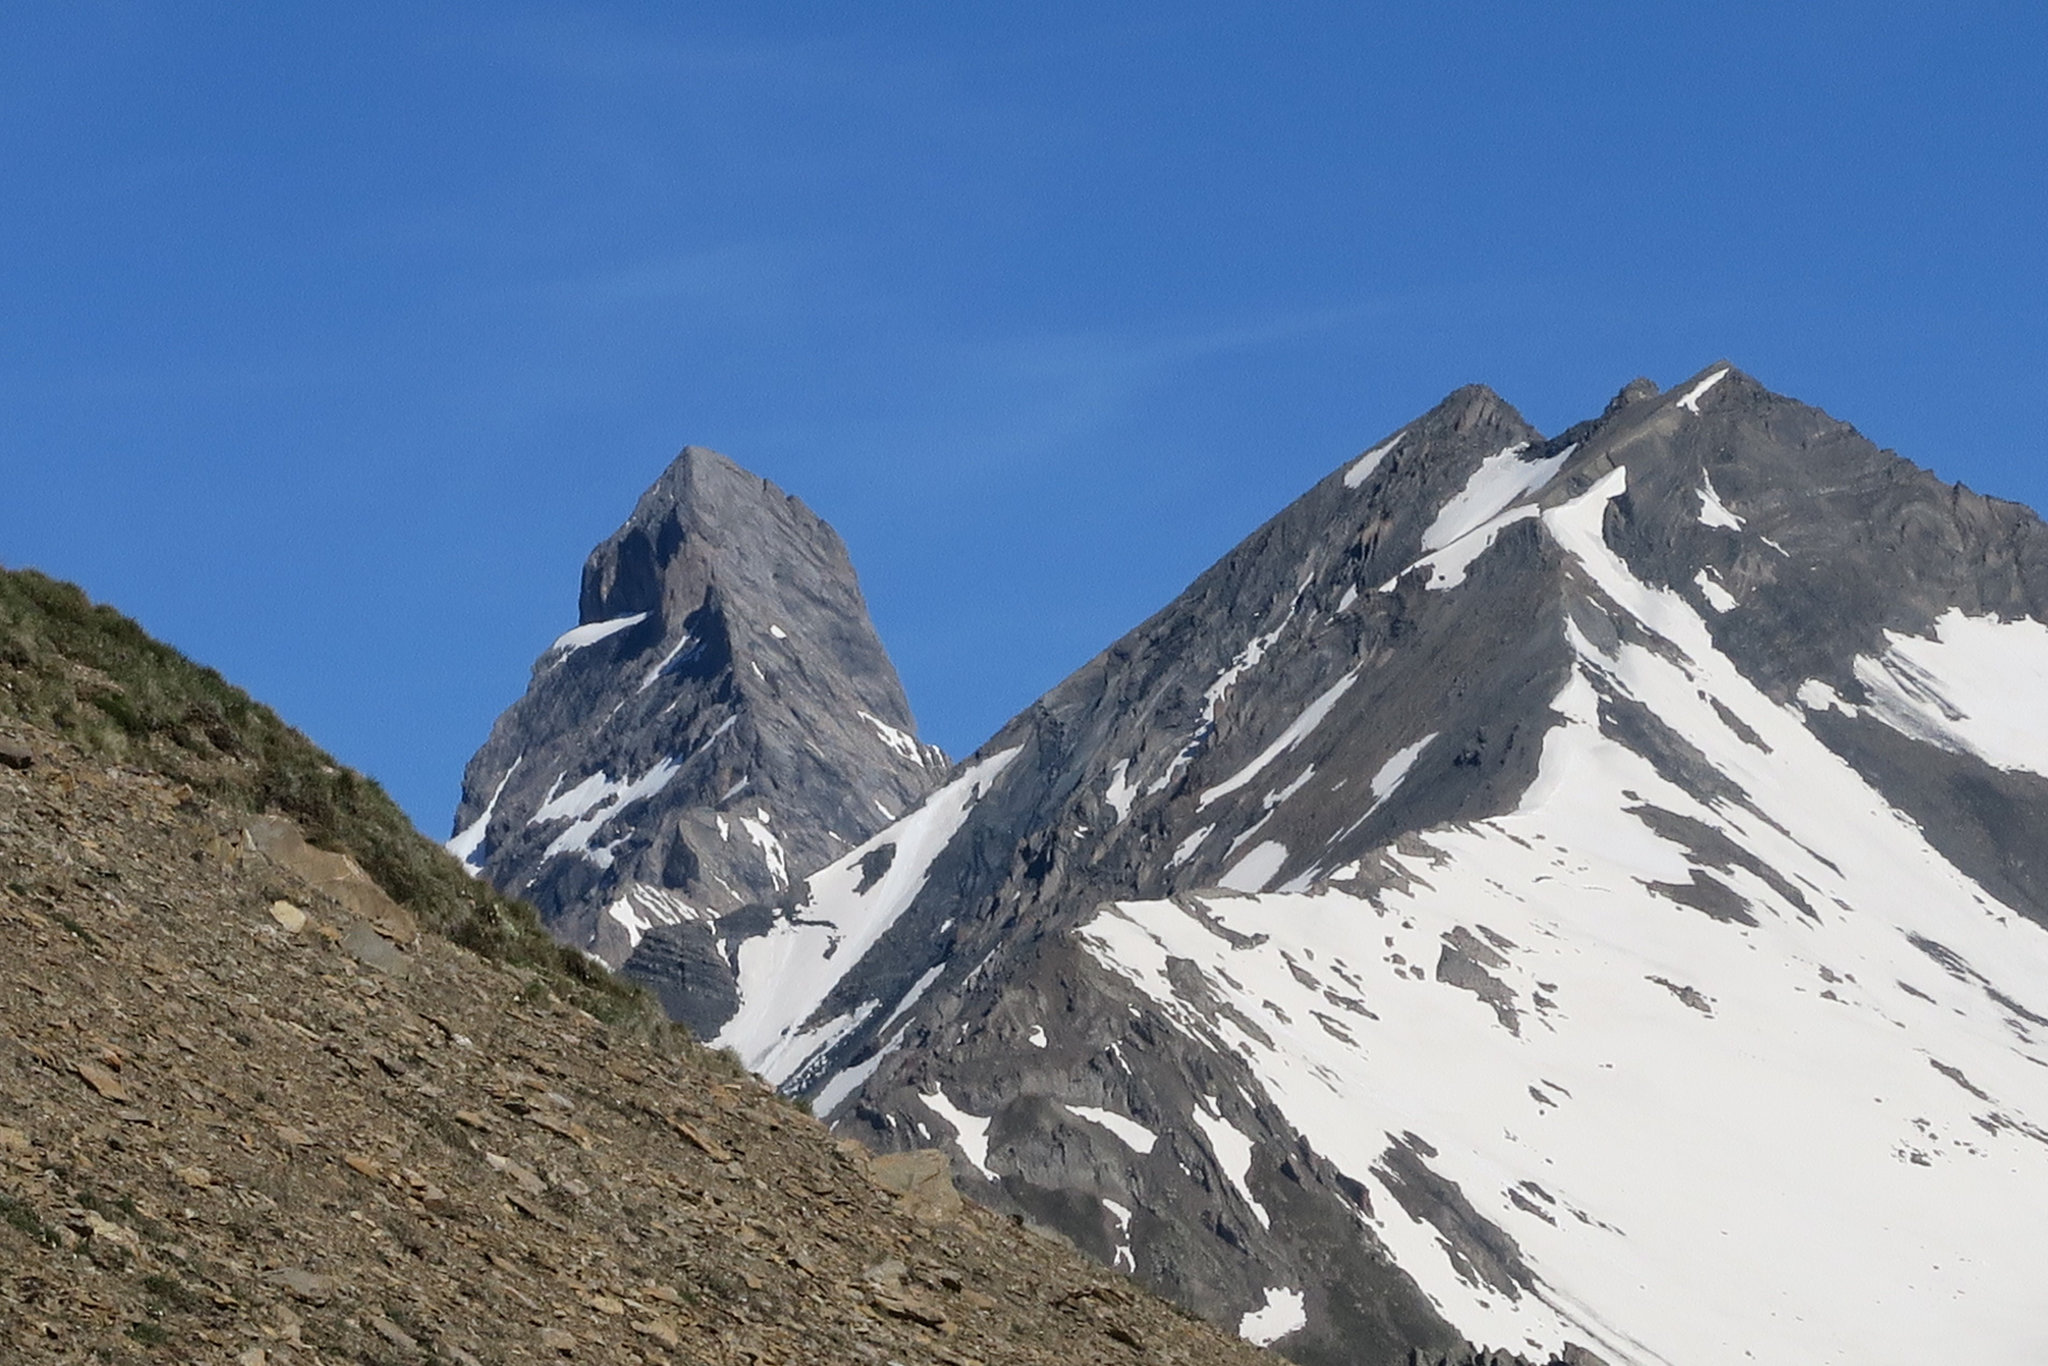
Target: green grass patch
[18,1216]
[87,673]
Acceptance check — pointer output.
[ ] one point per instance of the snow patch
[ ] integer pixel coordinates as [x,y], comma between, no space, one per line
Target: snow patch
[1714,512]
[786,974]
[971,1133]
[680,648]
[1978,686]
[1297,730]
[1252,872]
[902,742]
[1718,598]
[1691,401]
[1133,1135]
[639,908]
[1363,467]
[592,803]
[1122,1261]
[1501,481]
[1233,1157]
[1283,1312]
[770,847]
[471,837]
[1185,850]
[590,633]
[1121,791]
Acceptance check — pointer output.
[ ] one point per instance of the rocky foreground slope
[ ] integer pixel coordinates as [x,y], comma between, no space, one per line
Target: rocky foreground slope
[255,1110]
[1580,889]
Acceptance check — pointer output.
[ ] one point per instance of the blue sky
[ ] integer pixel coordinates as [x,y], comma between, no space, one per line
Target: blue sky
[332,337]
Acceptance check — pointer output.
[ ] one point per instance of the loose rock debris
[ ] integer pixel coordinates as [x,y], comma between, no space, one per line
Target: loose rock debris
[248,1115]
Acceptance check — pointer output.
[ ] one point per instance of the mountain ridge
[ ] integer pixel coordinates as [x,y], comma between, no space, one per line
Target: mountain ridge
[1453,621]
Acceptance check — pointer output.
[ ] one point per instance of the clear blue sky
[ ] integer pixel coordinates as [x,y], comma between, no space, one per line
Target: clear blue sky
[333,336]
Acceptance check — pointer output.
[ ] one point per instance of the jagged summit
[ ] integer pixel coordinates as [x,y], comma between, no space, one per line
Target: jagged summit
[1637,390]
[722,719]
[1533,890]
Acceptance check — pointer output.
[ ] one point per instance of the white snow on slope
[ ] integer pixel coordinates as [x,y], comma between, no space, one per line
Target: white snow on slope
[1501,481]
[1212,699]
[639,908]
[1691,401]
[1718,598]
[1395,770]
[682,646]
[1134,1135]
[1448,567]
[1122,1261]
[971,1131]
[901,741]
[1363,467]
[1121,790]
[785,975]
[1386,781]
[1979,686]
[1299,729]
[1185,850]
[1282,1313]
[1714,512]
[1234,1156]
[471,837]
[771,847]
[590,633]
[592,803]
[1714,1143]
[1257,868]
[1454,540]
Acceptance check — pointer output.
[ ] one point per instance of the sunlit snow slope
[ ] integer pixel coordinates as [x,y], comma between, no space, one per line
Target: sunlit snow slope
[1806,1121]
[1580,895]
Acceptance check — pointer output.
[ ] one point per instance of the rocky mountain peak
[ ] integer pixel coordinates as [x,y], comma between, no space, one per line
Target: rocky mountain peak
[1522,862]
[1637,390]
[722,719]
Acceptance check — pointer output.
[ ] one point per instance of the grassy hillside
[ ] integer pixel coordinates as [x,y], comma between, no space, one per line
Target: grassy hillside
[90,675]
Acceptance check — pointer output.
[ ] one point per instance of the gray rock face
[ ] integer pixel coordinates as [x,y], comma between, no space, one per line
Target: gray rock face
[1383,949]
[722,721]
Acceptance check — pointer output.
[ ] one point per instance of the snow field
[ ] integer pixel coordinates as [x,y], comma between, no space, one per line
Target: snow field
[786,974]
[1673,1084]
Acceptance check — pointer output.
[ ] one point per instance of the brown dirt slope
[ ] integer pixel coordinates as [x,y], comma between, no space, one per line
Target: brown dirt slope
[243,1120]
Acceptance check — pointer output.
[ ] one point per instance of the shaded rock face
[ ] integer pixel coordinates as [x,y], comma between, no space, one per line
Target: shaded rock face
[1523,863]
[722,720]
